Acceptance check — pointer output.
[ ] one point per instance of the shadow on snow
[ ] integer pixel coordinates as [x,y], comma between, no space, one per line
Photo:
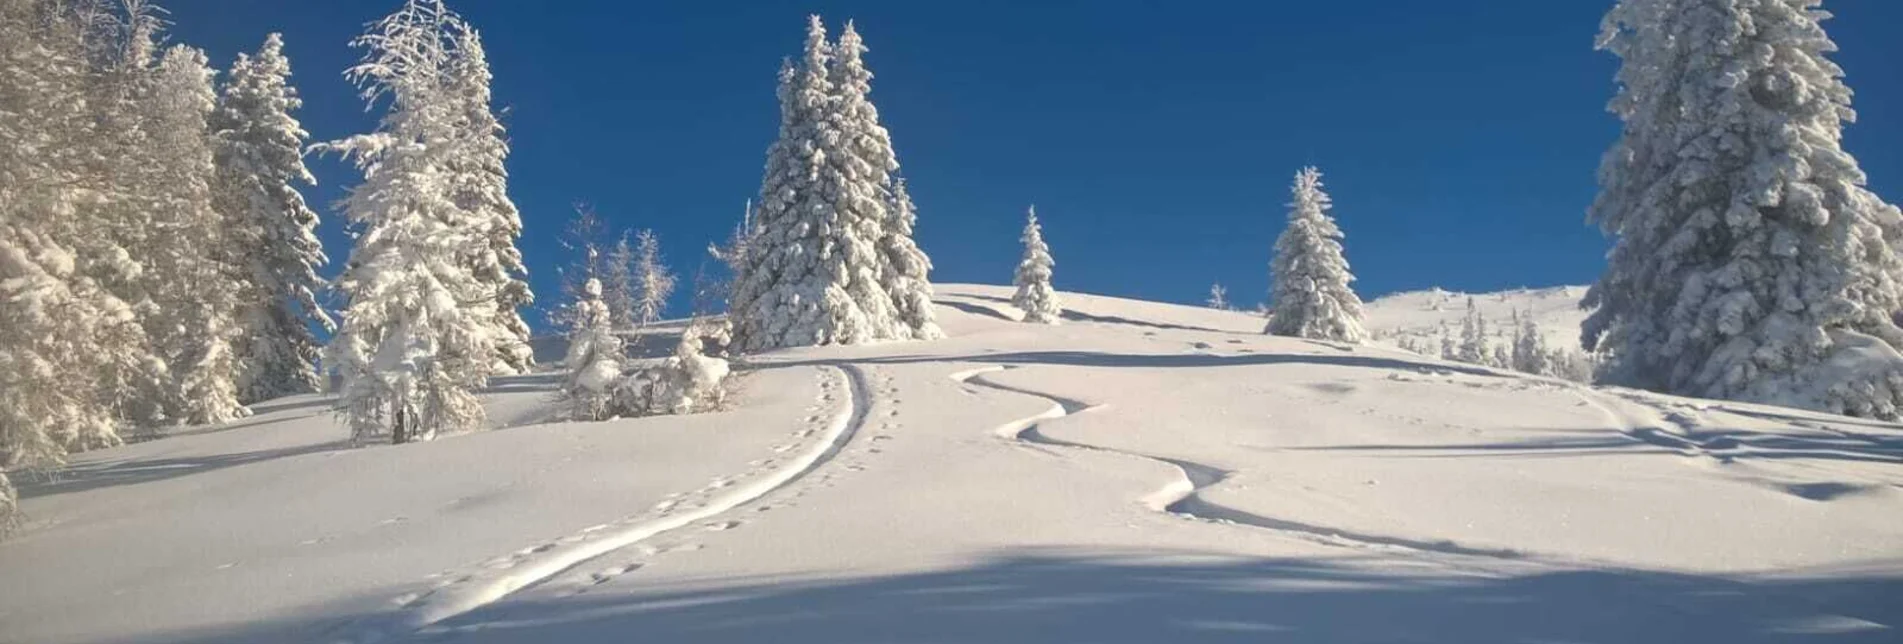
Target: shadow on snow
[1045,596]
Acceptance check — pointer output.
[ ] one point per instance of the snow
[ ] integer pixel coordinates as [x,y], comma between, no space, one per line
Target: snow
[1142,473]
[1420,314]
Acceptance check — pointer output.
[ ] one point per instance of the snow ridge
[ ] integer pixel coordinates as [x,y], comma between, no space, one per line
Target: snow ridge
[532,566]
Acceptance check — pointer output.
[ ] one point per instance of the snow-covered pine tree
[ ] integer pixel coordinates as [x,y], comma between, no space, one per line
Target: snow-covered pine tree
[199,280]
[1034,295]
[37,82]
[1311,296]
[1473,336]
[419,333]
[594,357]
[617,282]
[811,275]
[689,381]
[1449,350]
[1500,356]
[1530,354]
[582,237]
[259,159]
[479,180]
[1218,298]
[653,282]
[731,255]
[906,269]
[122,219]
[880,198]
[54,320]
[1749,260]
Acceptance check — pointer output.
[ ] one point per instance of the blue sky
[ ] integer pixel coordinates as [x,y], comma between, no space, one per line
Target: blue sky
[1157,138]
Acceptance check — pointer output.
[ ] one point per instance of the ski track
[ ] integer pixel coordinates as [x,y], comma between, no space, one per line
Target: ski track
[1182,495]
[1652,427]
[531,566]
[1655,424]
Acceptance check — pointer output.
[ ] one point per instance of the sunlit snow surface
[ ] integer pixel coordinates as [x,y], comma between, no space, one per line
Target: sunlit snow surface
[1140,473]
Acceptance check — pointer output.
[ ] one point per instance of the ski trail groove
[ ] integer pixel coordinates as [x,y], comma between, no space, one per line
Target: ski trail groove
[1651,427]
[1182,495]
[476,590]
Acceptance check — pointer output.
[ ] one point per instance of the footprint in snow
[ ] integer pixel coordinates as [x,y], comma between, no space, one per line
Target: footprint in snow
[723,526]
[604,576]
[535,550]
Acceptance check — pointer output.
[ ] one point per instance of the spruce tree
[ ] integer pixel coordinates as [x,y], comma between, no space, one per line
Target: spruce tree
[1473,336]
[419,331]
[129,220]
[594,356]
[259,159]
[618,283]
[1749,260]
[905,270]
[882,196]
[1530,354]
[812,272]
[479,177]
[1218,298]
[653,282]
[195,322]
[1311,294]
[1034,295]
[582,238]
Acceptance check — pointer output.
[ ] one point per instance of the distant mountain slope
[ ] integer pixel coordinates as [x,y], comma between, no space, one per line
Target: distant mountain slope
[1421,315]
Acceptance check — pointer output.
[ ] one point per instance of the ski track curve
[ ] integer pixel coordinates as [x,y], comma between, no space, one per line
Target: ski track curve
[1182,495]
[532,566]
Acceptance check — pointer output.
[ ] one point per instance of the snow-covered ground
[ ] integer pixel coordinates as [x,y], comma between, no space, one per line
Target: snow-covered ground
[1141,473]
[1421,315]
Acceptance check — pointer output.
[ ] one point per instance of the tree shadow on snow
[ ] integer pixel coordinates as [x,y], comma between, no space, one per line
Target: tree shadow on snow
[975,309]
[1048,597]
[1724,444]
[1173,360]
[104,474]
[1080,316]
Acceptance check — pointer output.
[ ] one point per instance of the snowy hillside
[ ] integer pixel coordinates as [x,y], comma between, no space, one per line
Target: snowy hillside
[1140,473]
[1422,315]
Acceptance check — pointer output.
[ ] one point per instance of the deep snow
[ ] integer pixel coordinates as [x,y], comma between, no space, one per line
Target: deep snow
[1141,473]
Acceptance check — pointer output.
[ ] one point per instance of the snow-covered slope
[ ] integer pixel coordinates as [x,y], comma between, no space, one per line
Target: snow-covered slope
[1420,315]
[1141,473]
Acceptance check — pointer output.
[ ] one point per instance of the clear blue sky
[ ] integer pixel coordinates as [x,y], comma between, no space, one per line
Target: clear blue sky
[1157,139]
